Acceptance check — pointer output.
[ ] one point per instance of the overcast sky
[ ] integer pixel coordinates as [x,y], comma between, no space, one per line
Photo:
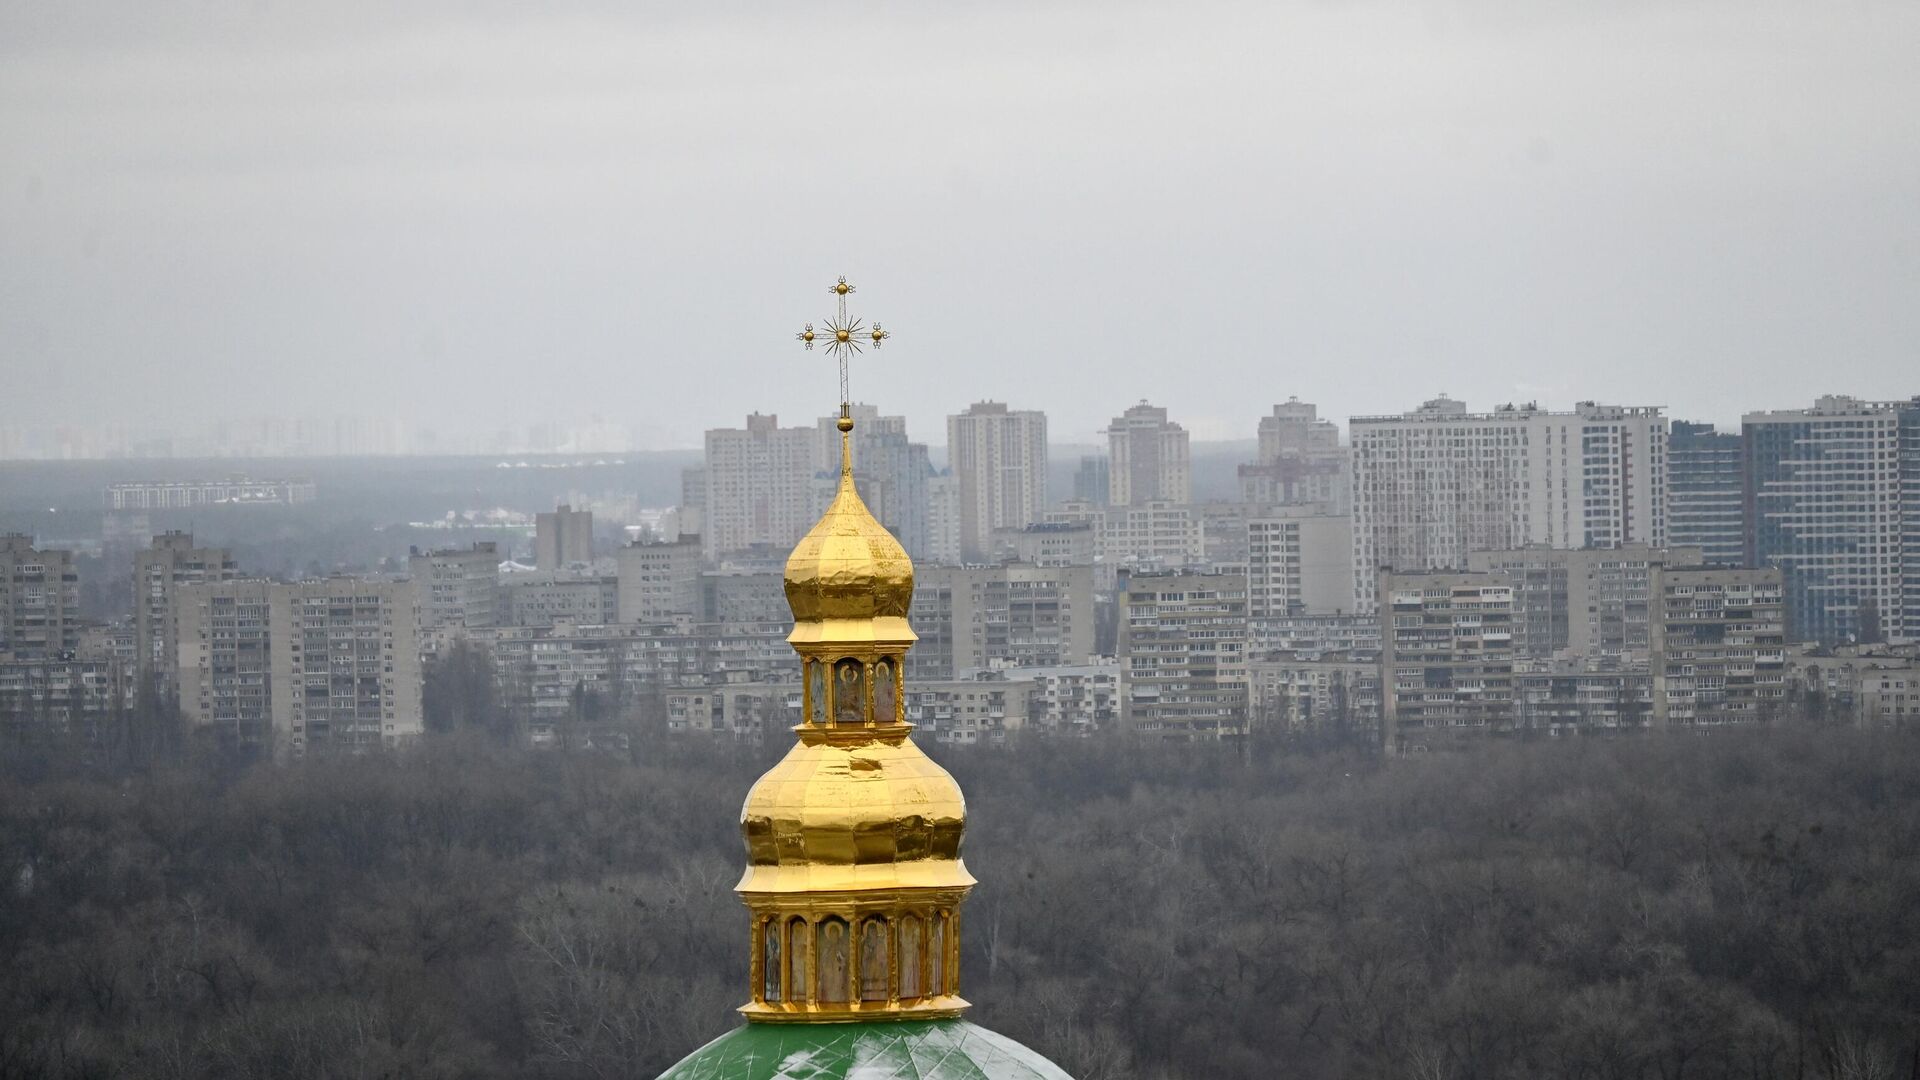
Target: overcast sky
[474,215]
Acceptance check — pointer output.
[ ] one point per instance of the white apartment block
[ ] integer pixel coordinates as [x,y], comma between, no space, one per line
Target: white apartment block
[1148,458]
[999,462]
[758,488]
[1434,485]
[186,494]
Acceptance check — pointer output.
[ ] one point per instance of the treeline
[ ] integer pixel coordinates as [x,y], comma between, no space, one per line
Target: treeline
[1744,905]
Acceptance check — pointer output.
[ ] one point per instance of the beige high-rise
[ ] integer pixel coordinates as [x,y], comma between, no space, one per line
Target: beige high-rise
[1148,458]
[158,574]
[999,462]
[294,666]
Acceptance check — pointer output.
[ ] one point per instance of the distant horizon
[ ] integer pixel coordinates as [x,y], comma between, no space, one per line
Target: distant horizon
[15,437]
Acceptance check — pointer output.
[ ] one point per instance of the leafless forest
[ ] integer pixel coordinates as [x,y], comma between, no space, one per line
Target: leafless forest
[1745,904]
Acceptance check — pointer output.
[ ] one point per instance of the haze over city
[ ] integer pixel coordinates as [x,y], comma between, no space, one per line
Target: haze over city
[476,216]
[1388,532]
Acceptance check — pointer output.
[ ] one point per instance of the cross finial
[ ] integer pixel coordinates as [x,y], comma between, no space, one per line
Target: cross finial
[844,337]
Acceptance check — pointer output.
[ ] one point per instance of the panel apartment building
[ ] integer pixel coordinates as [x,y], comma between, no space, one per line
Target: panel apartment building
[1436,484]
[1183,648]
[971,618]
[39,600]
[292,666]
[1719,649]
[1446,658]
[758,487]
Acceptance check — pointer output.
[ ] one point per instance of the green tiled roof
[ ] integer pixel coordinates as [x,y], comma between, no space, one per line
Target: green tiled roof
[878,1050]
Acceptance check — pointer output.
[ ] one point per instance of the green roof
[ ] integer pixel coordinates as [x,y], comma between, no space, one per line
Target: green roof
[874,1050]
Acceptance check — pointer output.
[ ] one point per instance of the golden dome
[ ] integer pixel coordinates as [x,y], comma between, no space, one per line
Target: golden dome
[858,810]
[853,879]
[849,579]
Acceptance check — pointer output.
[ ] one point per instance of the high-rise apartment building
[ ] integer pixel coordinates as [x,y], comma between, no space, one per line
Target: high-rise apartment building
[1301,461]
[1299,564]
[345,664]
[1183,647]
[563,538]
[758,490]
[892,472]
[1719,646]
[1446,656]
[659,581]
[1148,458]
[971,618]
[1705,494]
[329,663]
[999,459]
[943,519]
[457,586]
[223,647]
[1591,602]
[39,600]
[1436,484]
[158,574]
[1833,499]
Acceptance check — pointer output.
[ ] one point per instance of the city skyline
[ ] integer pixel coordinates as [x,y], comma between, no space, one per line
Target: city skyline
[362,435]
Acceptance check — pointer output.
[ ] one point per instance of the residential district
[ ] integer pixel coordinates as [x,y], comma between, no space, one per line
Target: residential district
[1434,577]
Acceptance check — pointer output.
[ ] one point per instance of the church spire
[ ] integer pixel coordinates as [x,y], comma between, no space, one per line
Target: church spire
[854,878]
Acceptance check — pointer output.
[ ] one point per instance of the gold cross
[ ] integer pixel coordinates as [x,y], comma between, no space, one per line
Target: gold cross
[844,337]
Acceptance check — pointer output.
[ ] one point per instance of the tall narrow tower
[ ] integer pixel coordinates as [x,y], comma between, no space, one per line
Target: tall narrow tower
[854,881]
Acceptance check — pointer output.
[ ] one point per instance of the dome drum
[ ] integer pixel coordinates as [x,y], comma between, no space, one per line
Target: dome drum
[844,687]
[826,958]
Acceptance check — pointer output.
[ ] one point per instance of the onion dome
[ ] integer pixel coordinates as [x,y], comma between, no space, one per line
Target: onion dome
[854,881]
[849,579]
[853,870]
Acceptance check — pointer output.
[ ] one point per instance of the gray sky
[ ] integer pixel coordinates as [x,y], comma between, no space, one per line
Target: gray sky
[473,215]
